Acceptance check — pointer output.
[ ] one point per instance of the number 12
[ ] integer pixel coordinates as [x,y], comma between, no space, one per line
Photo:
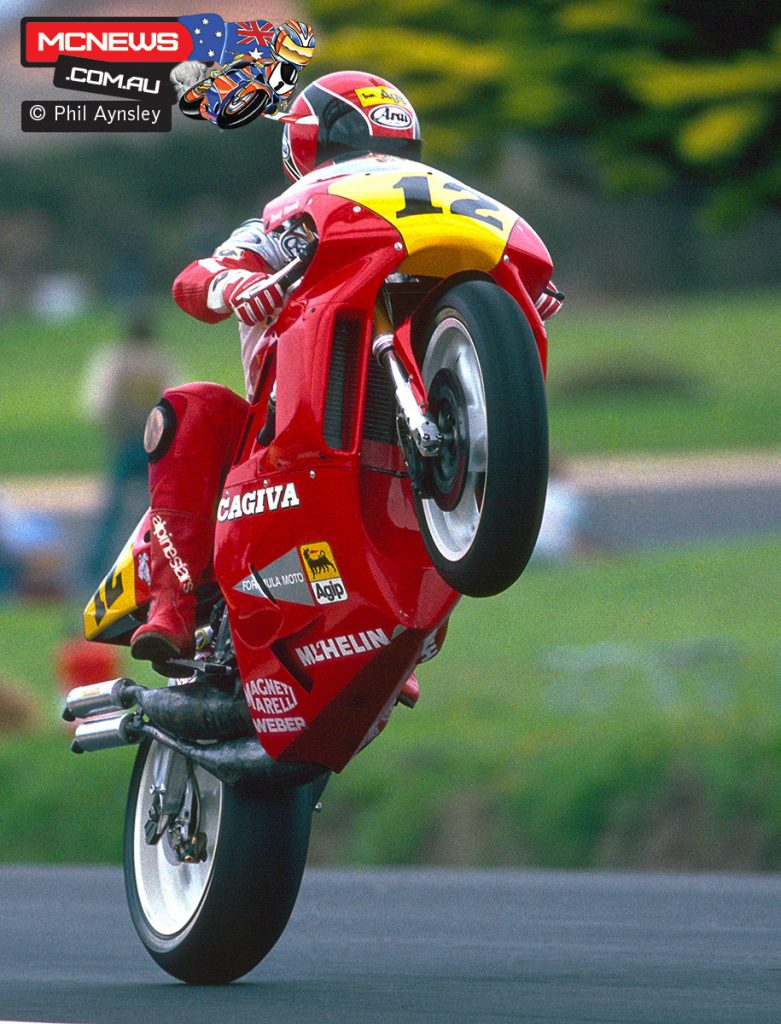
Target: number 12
[417,200]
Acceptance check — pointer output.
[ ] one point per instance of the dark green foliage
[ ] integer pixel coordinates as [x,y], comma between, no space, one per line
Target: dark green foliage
[664,91]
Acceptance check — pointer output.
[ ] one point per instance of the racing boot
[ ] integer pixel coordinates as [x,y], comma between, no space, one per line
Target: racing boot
[190,438]
[181,547]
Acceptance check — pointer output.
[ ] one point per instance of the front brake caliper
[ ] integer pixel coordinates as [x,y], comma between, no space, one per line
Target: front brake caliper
[187,842]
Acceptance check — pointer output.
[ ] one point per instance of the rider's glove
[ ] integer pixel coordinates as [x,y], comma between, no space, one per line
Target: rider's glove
[550,302]
[253,297]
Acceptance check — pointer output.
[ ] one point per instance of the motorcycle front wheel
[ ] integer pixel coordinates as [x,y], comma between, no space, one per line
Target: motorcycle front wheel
[244,106]
[480,500]
[210,918]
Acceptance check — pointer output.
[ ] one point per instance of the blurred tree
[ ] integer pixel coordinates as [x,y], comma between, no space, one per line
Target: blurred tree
[131,213]
[666,91]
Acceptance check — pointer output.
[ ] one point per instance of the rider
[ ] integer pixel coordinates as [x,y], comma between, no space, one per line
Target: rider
[191,435]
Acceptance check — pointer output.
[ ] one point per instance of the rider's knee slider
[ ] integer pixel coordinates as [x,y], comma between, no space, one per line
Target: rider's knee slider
[160,430]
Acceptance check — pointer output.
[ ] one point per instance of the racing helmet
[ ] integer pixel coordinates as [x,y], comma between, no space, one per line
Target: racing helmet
[294,42]
[345,114]
[292,47]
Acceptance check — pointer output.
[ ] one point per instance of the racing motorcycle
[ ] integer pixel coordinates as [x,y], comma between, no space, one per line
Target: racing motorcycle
[233,94]
[394,458]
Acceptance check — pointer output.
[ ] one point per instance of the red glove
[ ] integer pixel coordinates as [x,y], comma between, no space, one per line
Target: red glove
[253,297]
[549,302]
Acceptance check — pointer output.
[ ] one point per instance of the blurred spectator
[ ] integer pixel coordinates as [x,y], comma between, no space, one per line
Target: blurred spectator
[30,552]
[564,532]
[122,383]
[60,296]
[18,712]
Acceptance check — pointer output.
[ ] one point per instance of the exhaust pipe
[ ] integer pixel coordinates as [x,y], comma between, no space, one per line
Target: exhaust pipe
[209,713]
[240,760]
[193,710]
[104,733]
[84,701]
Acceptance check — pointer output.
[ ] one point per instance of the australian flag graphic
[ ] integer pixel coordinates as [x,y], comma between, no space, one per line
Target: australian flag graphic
[251,37]
[208,35]
[215,40]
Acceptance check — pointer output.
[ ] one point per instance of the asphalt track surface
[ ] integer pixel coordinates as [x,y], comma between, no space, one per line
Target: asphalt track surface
[414,946]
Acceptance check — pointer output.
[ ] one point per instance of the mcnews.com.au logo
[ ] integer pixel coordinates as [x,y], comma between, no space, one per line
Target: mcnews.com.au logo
[228,73]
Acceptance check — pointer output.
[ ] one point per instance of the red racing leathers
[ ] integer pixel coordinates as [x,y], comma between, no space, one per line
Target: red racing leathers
[192,435]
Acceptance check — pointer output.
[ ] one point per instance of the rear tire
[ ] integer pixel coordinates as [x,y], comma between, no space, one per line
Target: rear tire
[190,104]
[483,496]
[209,923]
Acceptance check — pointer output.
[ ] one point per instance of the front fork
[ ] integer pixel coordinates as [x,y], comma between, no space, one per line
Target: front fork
[421,428]
[423,431]
[173,811]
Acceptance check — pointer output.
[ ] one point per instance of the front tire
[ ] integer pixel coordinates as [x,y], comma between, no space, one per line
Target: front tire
[244,106]
[209,922]
[481,500]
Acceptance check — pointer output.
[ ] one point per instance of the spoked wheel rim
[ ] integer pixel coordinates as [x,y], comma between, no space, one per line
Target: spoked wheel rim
[452,375]
[170,891]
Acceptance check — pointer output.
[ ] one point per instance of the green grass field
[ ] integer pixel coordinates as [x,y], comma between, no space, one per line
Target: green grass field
[697,373]
[620,711]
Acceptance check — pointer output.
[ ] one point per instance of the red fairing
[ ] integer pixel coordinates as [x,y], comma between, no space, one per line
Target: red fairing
[191,287]
[332,596]
[524,271]
[333,599]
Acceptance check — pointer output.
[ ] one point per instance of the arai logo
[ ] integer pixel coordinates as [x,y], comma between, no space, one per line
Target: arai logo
[388,116]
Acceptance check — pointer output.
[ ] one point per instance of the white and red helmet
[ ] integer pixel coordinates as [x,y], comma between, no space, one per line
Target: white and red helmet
[345,114]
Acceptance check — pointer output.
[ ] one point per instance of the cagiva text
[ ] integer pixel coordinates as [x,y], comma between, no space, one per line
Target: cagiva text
[253,503]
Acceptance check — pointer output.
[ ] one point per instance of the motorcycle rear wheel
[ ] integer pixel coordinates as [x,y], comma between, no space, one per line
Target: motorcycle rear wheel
[209,923]
[190,104]
[484,494]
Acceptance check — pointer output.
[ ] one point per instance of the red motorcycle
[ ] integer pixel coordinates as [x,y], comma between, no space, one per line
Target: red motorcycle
[394,458]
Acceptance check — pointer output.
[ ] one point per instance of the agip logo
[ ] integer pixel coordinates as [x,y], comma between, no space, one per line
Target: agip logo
[371,95]
[324,576]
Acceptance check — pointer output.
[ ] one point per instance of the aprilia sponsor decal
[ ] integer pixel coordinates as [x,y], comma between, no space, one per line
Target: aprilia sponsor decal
[344,646]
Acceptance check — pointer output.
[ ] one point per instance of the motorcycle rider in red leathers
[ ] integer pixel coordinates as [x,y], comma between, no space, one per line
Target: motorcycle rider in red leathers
[192,434]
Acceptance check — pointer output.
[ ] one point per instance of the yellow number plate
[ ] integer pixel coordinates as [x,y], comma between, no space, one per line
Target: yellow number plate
[446,225]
